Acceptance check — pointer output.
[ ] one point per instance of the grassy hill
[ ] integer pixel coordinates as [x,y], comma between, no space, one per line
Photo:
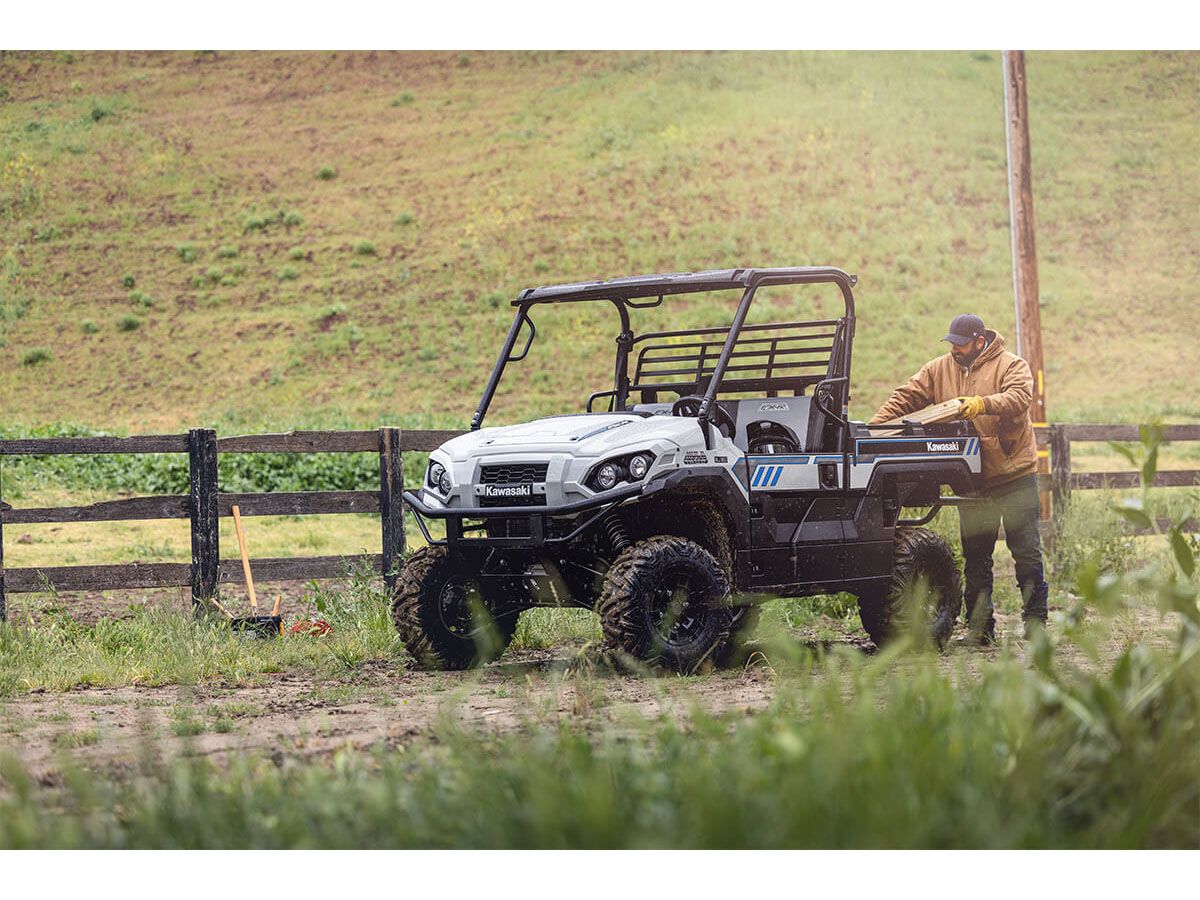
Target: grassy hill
[283,239]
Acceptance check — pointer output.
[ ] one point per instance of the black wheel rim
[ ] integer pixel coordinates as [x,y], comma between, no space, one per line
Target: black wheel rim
[456,604]
[677,610]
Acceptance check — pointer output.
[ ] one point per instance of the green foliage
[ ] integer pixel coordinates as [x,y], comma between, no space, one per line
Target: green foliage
[36,356]
[129,323]
[297,253]
[187,252]
[495,299]
[326,173]
[288,273]
[405,99]
[227,252]
[128,281]
[141,300]
[167,473]
[405,219]
[87,326]
[364,248]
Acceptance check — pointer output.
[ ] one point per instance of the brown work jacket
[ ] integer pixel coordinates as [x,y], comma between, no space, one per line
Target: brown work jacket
[1004,381]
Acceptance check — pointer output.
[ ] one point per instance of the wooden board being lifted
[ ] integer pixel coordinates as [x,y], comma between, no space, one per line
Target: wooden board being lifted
[946,411]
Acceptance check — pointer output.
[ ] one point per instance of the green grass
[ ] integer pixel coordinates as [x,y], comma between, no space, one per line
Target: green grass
[157,647]
[889,164]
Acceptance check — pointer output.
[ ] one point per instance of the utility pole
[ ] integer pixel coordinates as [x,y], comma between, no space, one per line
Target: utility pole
[1024,248]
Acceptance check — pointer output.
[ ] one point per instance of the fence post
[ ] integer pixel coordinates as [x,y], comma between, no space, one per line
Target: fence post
[391,501]
[205,513]
[1060,472]
[3,601]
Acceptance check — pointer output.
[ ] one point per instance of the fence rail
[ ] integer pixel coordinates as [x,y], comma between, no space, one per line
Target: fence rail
[204,505]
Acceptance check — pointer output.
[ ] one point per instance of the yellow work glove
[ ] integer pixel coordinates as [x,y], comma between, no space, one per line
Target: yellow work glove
[970,407]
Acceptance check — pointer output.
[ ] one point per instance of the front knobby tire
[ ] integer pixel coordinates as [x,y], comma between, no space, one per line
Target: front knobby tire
[665,601]
[449,619]
[925,593]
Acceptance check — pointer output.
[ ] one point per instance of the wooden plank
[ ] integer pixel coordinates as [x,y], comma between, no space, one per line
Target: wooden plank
[1173,478]
[166,506]
[300,503]
[299,568]
[391,501]
[302,442]
[149,443]
[99,578]
[159,575]
[206,533]
[945,411]
[1088,432]
[424,441]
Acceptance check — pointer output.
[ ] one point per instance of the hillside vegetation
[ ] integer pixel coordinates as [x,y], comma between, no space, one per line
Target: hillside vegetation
[280,239]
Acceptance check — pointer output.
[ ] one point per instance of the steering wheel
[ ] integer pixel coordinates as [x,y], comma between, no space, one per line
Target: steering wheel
[689,407]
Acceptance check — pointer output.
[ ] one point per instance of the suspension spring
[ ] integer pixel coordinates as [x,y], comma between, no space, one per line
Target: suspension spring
[618,534]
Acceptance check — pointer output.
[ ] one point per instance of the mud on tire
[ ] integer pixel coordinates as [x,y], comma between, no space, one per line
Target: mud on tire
[666,601]
[923,569]
[446,618]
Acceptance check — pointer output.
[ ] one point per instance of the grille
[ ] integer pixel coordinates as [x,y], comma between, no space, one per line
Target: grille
[535,500]
[520,473]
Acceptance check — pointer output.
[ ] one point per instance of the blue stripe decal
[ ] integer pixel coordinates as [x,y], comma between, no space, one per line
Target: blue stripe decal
[757,475]
[778,472]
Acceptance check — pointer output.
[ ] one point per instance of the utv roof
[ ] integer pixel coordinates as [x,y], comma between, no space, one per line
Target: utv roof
[635,286]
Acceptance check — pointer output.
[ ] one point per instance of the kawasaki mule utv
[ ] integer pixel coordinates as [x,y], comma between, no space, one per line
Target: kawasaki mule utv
[721,471]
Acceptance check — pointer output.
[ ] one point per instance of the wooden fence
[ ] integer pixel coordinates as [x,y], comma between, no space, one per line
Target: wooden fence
[203,505]
[1062,480]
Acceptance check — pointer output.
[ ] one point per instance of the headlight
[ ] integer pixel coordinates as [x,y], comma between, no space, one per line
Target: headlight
[445,484]
[606,476]
[638,466]
[436,471]
[631,468]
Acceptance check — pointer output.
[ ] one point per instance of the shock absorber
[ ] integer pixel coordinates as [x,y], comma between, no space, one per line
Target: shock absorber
[618,534]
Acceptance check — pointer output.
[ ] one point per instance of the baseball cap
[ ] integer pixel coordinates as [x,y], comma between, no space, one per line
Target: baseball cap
[964,329]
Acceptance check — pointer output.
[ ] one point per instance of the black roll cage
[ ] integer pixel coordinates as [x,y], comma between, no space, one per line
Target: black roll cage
[649,291]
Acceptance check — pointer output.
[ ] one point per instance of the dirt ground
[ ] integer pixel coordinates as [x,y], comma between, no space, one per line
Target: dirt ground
[290,715]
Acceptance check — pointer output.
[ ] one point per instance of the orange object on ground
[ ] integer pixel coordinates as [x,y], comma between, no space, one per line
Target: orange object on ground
[312,627]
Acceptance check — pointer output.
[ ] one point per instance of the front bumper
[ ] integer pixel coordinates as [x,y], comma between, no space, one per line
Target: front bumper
[536,517]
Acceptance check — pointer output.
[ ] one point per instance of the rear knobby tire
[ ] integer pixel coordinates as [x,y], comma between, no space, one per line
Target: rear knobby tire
[449,619]
[665,602]
[925,583]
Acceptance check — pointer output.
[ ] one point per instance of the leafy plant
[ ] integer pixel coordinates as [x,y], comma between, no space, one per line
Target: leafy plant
[36,356]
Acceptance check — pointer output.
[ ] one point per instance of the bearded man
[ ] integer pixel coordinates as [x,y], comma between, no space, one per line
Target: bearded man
[994,388]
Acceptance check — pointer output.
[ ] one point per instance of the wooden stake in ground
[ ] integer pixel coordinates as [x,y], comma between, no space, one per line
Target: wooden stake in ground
[241,536]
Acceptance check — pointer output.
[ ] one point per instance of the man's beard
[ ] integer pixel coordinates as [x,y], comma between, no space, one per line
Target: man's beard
[966,359]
